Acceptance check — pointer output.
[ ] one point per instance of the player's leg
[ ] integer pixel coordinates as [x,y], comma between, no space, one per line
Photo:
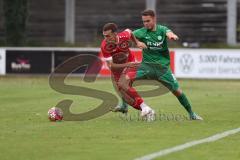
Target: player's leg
[123,86]
[131,96]
[169,80]
[123,106]
[186,104]
[143,72]
[146,112]
[125,83]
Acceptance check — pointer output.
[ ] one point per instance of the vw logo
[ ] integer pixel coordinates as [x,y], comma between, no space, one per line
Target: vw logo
[186,63]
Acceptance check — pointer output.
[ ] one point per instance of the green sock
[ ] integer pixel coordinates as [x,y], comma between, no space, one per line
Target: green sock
[124,104]
[185,103]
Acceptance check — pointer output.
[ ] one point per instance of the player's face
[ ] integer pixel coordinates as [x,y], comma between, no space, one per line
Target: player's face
[110,36]
[149,22]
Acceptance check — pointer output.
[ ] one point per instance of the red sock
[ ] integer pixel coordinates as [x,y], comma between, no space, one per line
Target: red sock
[137,99]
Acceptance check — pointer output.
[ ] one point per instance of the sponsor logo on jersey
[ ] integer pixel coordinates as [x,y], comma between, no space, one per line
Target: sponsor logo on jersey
[155,44]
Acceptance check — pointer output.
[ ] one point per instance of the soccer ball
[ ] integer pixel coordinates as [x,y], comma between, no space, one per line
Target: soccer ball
[55,114]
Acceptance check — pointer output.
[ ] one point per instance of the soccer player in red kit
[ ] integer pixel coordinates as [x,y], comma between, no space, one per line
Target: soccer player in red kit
[120,60]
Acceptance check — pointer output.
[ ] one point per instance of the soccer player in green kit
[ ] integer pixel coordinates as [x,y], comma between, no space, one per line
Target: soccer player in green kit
[156,60]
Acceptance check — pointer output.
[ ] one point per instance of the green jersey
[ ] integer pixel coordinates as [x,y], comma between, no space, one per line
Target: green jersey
[156,41]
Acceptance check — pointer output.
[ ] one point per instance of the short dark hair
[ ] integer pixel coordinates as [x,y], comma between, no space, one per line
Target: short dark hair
[148,12]
[110,26]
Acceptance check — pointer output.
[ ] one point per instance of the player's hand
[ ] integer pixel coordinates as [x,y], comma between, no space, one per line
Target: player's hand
[134,64]
[174,37]
[141,45]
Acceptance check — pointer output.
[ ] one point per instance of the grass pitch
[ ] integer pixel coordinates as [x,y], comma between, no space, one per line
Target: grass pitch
[26,133]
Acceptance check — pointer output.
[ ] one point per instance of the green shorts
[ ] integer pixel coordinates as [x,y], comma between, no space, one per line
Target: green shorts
[158,72]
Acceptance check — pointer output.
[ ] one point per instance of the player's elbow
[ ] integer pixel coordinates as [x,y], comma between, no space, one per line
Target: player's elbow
[169,34]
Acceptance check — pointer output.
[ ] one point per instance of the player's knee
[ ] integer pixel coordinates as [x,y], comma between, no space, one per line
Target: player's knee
[177,93]
[124,83]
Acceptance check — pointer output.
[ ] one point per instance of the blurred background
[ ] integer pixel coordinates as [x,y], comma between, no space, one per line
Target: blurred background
[36,36]
[202,23]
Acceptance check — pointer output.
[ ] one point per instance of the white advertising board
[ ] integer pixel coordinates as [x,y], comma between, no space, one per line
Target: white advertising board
[207,63]
[2,62]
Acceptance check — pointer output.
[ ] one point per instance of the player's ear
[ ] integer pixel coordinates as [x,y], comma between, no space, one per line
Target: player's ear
[155,19]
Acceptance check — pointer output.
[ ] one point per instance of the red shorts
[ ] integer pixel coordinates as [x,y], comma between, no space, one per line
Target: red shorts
[130,72]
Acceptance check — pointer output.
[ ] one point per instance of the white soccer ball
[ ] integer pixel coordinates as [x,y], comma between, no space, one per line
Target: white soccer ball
[55,114]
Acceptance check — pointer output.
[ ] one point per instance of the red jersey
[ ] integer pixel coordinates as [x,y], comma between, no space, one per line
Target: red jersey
[119,52]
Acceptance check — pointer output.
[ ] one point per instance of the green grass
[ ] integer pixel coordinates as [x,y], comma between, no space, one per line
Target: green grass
[26,133]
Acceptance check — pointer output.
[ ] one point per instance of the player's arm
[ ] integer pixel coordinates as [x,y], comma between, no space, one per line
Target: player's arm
[172,36]
[138,43]
[115,66]
[111,65]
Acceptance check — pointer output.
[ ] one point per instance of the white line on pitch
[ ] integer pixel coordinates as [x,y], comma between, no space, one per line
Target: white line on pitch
[189,144]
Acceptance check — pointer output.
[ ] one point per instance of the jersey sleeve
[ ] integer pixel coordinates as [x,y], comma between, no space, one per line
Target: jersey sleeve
[127,33]
[166,29]
[137,33]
